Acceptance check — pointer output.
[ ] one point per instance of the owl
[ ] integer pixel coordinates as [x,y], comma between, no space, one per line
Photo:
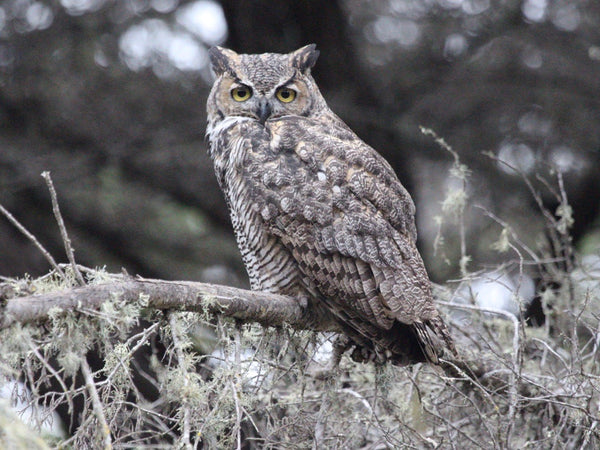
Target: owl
[317,213]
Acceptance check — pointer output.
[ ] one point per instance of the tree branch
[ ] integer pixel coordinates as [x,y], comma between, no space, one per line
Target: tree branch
[248,306]
[262,307]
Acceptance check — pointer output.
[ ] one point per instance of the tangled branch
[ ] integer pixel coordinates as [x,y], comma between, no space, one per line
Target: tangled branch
[142,382]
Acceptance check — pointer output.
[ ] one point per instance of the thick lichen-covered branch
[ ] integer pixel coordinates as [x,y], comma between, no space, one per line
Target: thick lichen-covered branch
[253,306]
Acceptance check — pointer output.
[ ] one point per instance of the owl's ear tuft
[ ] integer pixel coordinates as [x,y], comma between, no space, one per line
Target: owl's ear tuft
[221,60]
[305,58]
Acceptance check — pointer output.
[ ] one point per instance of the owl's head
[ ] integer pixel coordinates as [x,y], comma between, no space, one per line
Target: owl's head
[264,86]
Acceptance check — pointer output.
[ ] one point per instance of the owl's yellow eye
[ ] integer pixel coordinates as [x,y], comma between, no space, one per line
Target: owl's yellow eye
[241,93]
[285,95]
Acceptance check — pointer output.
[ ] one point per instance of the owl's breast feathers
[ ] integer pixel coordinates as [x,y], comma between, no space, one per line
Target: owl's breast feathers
[337,206]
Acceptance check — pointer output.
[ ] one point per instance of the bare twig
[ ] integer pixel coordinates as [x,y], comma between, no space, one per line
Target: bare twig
[236,381]
[177,344]
[321,422]
[62,228]
[53,372]
[514,373]
[460,172]
[34,240]
[567,243]
[535,258]
[96,404]
[142,339]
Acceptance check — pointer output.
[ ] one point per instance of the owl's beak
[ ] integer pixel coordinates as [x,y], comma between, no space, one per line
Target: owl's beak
[264,110]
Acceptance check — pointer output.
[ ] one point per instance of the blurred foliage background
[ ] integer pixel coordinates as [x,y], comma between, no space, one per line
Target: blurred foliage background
[110,97]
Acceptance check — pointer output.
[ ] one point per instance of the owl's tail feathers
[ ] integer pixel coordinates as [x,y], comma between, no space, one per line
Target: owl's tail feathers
[433,336]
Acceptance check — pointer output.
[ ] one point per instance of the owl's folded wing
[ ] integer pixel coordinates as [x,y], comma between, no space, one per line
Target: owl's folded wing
[340,210]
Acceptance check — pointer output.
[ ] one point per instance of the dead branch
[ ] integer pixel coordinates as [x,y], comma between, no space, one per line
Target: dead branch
[253,306]
[248,306]
[61,225]
[33,239]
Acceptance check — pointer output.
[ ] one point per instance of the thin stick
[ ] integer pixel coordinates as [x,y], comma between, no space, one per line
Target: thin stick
[536,259]
[96,404]
[63,229]
[319,431]
[54,373]
[33,239]
[178,347]
[460,172]
[567,244]
[237,375]
[515,372]
[238,415]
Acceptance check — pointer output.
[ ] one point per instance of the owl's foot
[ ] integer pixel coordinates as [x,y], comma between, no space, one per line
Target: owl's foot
[340,345]
[365,355]
[359,353]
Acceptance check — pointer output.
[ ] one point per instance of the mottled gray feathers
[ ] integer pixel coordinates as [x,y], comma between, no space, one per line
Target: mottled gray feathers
[319,213]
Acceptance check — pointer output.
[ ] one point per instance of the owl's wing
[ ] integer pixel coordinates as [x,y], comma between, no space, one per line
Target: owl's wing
[338,207]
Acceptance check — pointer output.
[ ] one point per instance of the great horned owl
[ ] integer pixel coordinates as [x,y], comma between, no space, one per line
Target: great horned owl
[317,213]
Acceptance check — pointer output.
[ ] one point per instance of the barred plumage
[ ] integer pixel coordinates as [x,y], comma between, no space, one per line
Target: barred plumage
[317,212]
